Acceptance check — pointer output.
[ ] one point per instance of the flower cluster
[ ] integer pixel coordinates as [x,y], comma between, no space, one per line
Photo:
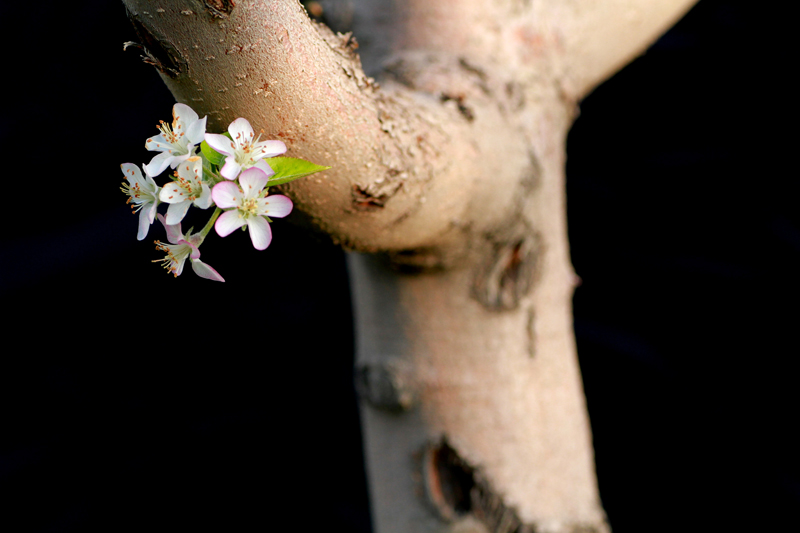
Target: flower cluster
[232,172]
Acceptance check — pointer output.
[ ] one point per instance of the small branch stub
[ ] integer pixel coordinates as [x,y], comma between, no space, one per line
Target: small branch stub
[385,386]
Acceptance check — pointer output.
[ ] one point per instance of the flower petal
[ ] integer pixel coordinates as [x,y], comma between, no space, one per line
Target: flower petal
[172,193]
[231,168]
[197,131]
[157,144]
[270,149]
[176,212]
[149,185]
[220,143]
[178,159]
[226,195]
[228,222]
[132,173]
[194,251]
[277,206]
[159,163]
[205,271]
[179,252]
[260,232]
[174,233]
[253,181]
[262,165]
[150,212]
[146,216]
[144,224]
[183,113]
[241,131]
[204,201]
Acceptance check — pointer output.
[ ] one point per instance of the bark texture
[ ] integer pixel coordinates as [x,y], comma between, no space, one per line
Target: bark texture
[452,167]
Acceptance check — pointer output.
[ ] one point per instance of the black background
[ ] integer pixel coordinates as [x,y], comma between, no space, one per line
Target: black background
[132,401]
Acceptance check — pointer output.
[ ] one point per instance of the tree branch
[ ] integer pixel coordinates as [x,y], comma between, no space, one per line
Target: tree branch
[598,37]
[451,135]
[303,84]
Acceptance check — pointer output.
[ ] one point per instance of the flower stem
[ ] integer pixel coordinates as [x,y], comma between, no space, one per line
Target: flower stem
[209,225]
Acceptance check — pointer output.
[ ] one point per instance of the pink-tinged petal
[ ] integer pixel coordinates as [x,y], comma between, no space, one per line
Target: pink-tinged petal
[241,131]
[159,163]
[228,222]
[277,206]
[196,240]
[272,148]
[205,271]
[260,232]
[197,131]
[253,181]
[194,251]
[231,169]
[226,195]
[174,233]
[176,212]
[220,143]
[262,165]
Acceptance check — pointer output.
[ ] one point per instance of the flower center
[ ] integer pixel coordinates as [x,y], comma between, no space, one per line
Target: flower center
[249,207]
[176,254]
[134,192]
[171,137]
[245,149]
[192,188]
[136,195]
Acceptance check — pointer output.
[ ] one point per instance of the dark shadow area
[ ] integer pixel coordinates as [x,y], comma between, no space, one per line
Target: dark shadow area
[685,230]
[131,401]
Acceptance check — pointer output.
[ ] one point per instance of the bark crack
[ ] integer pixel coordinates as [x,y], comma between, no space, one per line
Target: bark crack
[460,492]
[219,8]
[457,489]
[157,50]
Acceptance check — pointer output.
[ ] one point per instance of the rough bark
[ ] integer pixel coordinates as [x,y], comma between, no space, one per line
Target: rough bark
[452,169]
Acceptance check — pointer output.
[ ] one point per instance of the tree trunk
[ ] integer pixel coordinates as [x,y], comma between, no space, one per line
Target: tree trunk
[452,169]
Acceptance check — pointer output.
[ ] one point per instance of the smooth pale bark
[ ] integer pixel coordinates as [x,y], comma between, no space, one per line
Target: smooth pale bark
[453,168]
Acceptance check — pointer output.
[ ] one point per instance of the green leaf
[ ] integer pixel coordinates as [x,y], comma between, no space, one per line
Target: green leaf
[289,169]
[214,157]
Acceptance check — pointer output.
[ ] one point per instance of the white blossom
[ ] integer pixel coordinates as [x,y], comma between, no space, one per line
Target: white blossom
[176,142]
[244,150]
[180,248]
[143,192]
[187,189]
